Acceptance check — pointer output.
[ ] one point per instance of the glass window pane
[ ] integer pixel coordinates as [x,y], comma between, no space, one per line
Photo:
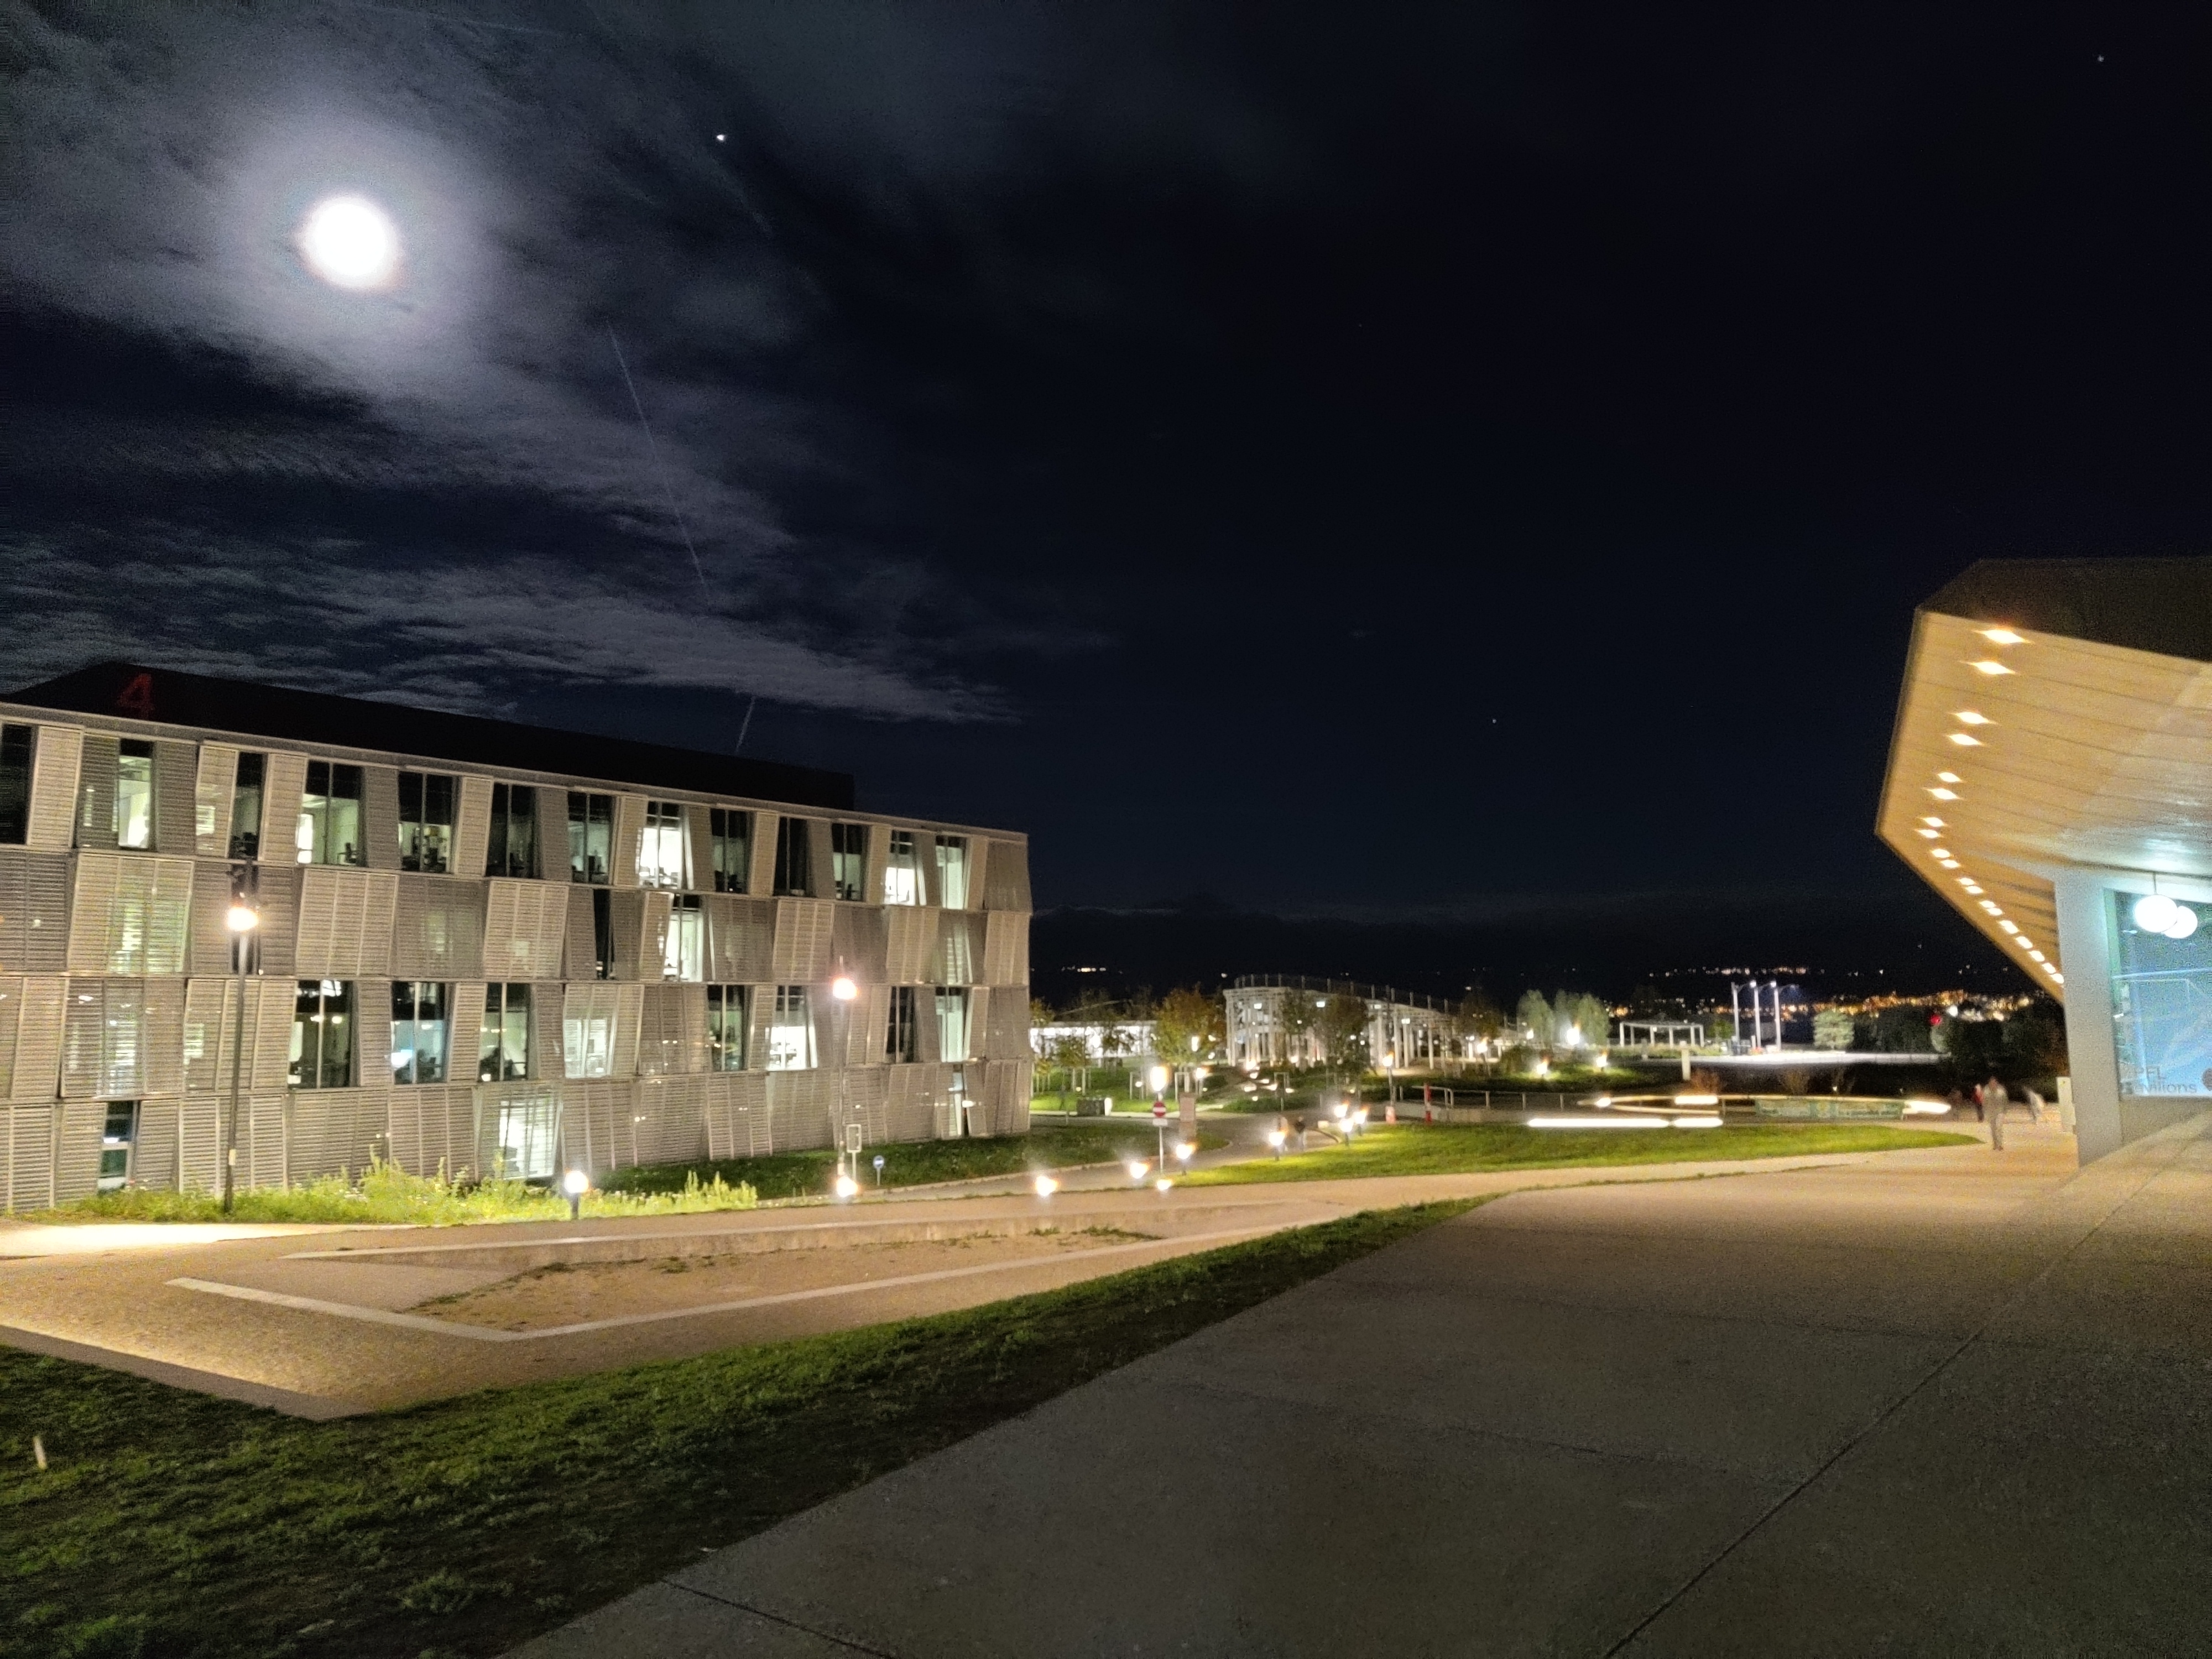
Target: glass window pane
[134,795]
[791,1030]
[245,808]
[2162,1001]
[15,755]
[952,873]
[902,871]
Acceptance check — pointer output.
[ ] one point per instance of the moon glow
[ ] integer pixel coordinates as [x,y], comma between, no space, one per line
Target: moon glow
[350,243]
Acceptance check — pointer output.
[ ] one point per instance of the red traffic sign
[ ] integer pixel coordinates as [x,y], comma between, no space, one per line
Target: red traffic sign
[1159,1108]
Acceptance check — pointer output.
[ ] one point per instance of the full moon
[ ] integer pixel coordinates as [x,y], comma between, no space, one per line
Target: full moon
[350,242]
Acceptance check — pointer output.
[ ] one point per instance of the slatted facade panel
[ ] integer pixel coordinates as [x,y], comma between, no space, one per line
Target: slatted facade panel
[548,1004]
[581,958]
[345,929]
[863,1097]
[372,1034]
[1006,876]
[979,872]
[468,1028]
[34,912]
[817,853]
[526,928]
[334,1131]
[77,1149]
[740,940]
[600,1011]
[131,914]
[1007,948]
[473,834]
[914,1102]
[737,1119]
[856,942]
[276,895]
[284,781]
[26,1155]
[762,882]
[55,767]
[95,791]
[174,765]
[11,1010]
[1005,1099]
[122,1039]
[590,1137]
[803,930]
[909,943]
[215,785]
[380,815]
[629,832]
[1005,1032]
[199,1143]
[958,958]
[668,1122]
[640,921]
[432,1130]
[699,844]
[671,1038]
[798,1108]
[35,1071]
[438,929]
[154,1152]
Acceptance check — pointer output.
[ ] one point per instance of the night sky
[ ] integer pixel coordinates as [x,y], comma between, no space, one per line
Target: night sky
[1453,479]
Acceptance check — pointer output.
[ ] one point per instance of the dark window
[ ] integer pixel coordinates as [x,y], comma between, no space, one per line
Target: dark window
[18,746]
[726,1028]
[848,859]
[322,1035]
[420,1031]
[245,808]
[503,1049]
[329,815]
[899,1030]
[426,822]
[603,933]
[794,857]
[590,836]
[134,795]
[116,1137]
[513,847]
[733,834]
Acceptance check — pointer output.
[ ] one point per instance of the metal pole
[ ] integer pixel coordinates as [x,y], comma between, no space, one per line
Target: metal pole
[238,945]
[1735,1014]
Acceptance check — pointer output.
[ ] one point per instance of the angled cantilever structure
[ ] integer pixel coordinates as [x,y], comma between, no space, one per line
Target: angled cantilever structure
[2051,765]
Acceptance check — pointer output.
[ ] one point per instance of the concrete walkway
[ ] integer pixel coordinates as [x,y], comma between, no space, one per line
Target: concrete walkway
[1951,1402]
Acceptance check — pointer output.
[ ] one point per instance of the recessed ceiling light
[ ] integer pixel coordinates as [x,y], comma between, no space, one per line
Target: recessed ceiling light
[1991,908]
[1947,777]
[2002,636]
[1944,794]
[1937,852]
[1938,823]
[1991,666]
[1973,717]
[1950,864]
[1966,742]
[2037,955]
[1930,834]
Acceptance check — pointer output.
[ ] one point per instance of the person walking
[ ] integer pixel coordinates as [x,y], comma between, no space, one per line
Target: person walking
[1994,1101]
[2034,1107]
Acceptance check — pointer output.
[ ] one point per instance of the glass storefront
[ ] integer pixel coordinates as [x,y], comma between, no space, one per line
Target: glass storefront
[2161,1004]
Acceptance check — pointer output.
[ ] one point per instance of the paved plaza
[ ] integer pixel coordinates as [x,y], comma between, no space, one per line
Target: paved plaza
[1935,1402]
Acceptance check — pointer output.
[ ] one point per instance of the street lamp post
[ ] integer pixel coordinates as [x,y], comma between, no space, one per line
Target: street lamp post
[241,921]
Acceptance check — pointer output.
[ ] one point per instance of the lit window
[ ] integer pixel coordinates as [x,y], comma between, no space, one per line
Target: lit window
[117,1135]
[524,1149]
[511,849]
[587,1033]
[726,1028]
[245,807]
[329,815]
[791,1030]
[952,1022]
[17,745]
[731,833]
[661,853]
[902,870]
[426,822]
[590,836]
[848,859]
[419,1031]
[794,857]
[322,1035]
[899,1037]
[952,871]
[686,956]
[134,795]
[503,1044]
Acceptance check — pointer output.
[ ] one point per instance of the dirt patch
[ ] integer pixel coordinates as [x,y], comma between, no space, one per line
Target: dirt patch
[568,1293]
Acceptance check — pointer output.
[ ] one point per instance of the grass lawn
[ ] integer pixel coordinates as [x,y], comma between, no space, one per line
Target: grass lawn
[1421,1149]
[170,1525]
[914,1164]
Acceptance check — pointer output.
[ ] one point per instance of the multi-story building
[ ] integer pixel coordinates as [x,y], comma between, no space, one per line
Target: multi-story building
[482,946]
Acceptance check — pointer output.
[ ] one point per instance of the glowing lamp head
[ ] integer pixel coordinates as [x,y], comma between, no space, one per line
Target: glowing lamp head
[242,919]
[1138,1168]
[1162,1184]
[575,1183]
[1276,1137]
[1185,1148]
[1159,1079]
[2184,923]
[2154,913]
[350,243]
[847,1187]
[1046,1186]
[843,989]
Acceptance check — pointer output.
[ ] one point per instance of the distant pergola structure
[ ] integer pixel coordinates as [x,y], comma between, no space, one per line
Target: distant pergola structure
[1661,1033]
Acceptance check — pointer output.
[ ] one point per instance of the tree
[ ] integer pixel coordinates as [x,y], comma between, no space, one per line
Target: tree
[1069,1053]
[1902,1031]
[1832,1028]
[1480,1015]
[1579,1017]
[1298,1021]
[1534,1020]
[1187,1014]
[1340,1022]
[1040,1013]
